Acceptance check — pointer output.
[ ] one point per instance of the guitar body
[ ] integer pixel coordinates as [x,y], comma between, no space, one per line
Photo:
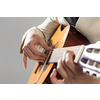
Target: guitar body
[69,36]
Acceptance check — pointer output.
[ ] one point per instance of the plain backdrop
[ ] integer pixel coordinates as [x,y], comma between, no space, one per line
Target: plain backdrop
[11,66]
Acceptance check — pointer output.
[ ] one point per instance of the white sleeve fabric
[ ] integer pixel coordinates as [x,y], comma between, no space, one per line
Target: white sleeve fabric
[50,24]
[89,27]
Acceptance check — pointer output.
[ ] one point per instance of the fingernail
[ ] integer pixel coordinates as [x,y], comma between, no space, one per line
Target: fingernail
[49,48]
[24,68]
[54,69]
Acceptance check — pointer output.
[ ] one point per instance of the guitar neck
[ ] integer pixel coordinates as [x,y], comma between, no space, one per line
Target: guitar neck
[58,53]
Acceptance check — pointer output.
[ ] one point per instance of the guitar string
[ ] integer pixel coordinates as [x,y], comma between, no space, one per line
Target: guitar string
[56,54]
[56,51]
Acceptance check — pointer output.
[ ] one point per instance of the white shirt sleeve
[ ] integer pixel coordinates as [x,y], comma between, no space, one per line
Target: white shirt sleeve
[46,29]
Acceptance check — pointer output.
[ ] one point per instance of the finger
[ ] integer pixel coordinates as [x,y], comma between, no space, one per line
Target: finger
[44,45]
[67,61]
[24,60]
[36,52]
[74,69]
[61,69]
[54,79]
[32,56]
[33,49]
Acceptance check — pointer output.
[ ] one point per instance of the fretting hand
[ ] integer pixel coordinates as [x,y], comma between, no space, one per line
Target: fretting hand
[72,73]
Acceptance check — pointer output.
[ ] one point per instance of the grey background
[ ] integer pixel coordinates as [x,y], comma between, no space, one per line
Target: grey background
[11,65]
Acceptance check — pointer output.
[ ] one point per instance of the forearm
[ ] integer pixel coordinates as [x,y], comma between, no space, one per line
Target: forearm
[50,24]
[47,28]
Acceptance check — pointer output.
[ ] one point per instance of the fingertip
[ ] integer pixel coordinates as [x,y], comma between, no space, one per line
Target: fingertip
[24,61]
[46,47]
[25,66]
[53,74]
[49,48]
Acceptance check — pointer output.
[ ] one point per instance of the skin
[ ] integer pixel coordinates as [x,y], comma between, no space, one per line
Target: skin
[29,49]
[72,73]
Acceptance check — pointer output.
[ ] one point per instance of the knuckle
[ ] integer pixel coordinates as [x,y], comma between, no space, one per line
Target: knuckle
[35,35]
[68,52]
[67,61]
[28,44]
[30,57]
[63,60]
[25,47]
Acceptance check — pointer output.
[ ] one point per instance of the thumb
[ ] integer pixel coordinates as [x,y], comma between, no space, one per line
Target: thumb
[53,77]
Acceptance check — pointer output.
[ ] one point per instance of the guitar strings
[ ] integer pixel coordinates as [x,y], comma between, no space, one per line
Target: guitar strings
[56,54]
[59,51]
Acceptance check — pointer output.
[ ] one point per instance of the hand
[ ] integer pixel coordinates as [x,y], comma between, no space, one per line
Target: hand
[72,73]
[29,49]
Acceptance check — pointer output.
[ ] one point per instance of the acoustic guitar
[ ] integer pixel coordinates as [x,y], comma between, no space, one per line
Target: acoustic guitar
[70,39]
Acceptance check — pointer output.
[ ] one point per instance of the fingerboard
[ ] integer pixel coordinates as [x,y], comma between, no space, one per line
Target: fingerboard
[89,66]
[58,53]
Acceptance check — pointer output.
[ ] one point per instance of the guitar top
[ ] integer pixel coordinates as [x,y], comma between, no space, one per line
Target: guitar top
[69,36]
[74,38]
